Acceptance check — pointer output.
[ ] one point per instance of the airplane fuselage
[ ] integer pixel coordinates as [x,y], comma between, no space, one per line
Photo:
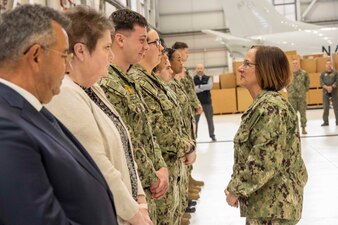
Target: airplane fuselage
[324,40]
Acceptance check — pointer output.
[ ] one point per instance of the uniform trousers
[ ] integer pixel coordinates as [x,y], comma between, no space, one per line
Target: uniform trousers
[299,105]
[268,221]
[326,105]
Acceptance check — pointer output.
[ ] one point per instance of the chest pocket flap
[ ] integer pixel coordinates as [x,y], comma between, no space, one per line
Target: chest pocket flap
[114,87]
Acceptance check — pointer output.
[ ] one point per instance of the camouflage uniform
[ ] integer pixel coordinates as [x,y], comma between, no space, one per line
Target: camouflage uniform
[167,127]
[329,79]
[189,88]
[269,174]
[183,99]
[270,222]
[124,94]
[188,121]
[297,89]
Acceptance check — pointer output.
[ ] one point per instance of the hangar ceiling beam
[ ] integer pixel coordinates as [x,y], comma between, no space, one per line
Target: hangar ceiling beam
[308,9]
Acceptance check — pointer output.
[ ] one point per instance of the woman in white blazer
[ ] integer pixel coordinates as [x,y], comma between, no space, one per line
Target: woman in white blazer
[82,107]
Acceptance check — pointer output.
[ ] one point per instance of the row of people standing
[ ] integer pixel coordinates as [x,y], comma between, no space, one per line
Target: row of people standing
[80,169]
[139,144]
[300,84]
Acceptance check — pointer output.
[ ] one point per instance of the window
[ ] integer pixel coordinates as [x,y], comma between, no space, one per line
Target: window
[286,7]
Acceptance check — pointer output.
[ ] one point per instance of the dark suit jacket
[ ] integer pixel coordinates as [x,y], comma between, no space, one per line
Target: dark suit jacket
[46,178]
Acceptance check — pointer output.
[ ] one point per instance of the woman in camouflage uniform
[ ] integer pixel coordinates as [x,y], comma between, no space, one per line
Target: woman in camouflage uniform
[269,174]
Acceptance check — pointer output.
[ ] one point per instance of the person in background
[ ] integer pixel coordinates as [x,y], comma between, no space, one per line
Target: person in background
[129,46]
[84,110]
[269,173]
[203,85]
[297,89]
[46,175]
[329,82]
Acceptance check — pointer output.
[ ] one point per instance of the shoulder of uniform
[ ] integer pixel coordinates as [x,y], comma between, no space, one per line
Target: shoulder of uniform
[147,86]
[134,75]
[135,72]
[108,81]
[112,85]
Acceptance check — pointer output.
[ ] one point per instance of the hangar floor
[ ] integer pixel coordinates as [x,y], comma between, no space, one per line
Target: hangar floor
[214,166]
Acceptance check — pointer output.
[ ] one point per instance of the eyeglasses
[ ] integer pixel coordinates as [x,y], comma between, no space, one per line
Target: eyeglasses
[157,42]
[247,64]
[68,56]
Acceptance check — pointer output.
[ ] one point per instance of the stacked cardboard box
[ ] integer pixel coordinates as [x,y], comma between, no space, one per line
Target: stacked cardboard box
[227,80]
[321,64]
[224,100]
[315,96]
[215,86]
[244,99]
[313,56]
[235,66]
[335,60]
[290,53]
[309,65]
[228,96]
[314,80]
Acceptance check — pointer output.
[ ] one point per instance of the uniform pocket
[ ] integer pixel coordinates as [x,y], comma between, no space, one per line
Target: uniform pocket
[165,103]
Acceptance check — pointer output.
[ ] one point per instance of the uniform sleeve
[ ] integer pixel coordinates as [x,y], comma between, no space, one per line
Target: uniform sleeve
[321,80]
[169,138]
[159,161]
[146,170]
[266,140]
[114,96]
[307,81]
[190,89]
[336,80]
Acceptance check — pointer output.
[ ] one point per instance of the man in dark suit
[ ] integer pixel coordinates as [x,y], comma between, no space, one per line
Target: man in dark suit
[46,176]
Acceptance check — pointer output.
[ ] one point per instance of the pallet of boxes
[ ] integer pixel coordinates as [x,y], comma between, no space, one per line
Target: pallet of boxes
[314,65]
[223,94]
[229,97]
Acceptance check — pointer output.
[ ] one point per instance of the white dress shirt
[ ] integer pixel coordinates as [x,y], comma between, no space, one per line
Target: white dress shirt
[25,94]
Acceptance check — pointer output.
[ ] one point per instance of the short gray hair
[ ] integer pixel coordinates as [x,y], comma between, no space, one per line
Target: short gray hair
[26,25]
